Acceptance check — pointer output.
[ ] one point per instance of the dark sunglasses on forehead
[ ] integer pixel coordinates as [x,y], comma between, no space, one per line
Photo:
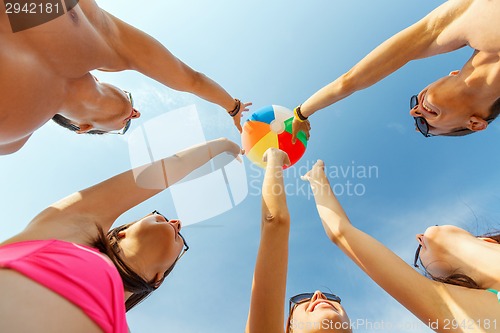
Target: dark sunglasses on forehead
[301,298]
[423,126]
[186,247]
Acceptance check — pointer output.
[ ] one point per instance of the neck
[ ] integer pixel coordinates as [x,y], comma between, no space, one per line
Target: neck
[478,264]
[483,72]
[82,95]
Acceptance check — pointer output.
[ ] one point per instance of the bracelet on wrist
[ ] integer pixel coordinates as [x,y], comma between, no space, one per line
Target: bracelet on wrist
[298,114]
[236,109]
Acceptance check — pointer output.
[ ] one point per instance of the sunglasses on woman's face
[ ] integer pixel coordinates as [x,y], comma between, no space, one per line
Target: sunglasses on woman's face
[305,297]
[186,247]
[417,256]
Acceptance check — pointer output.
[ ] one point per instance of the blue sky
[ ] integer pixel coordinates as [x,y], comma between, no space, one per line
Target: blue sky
[279,52]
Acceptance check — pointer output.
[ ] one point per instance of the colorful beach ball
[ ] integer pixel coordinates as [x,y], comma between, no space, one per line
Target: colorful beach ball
[269,127]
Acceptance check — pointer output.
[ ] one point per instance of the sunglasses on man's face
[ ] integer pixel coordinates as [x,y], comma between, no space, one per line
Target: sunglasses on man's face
[186,247]
[122,131]
[301,298]
[129,121]
[423,126]
[420,122]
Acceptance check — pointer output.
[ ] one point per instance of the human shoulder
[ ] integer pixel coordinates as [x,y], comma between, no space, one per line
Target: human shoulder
[445,25]
[447,14]
[100,19]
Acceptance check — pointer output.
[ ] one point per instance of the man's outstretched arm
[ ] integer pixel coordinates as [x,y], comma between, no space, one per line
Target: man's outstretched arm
[141,52]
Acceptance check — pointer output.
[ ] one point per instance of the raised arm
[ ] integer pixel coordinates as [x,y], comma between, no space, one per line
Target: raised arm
[430,301]
[423,39]
[143,53]
[102,203]
[267,312]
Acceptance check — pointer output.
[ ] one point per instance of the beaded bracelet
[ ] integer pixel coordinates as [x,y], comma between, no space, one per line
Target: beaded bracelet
[236,109]
[298,115]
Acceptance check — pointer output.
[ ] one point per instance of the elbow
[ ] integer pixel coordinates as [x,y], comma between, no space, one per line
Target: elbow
[336,227]
[278,218]
[192,82]
[347,82]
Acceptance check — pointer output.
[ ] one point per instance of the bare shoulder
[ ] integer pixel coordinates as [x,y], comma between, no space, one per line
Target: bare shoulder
[110,29]
[480,25]
[446,24]
[101,20]
[449,12]
[472,22]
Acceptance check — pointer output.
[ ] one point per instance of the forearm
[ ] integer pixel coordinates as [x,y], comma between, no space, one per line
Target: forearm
[370,255]
[269,283]
[266,311]
[168,171]
[165,68]
[158,63]
[329,208]
[420,295]
[273,191]
[412,43]
[179,76]
[132,187]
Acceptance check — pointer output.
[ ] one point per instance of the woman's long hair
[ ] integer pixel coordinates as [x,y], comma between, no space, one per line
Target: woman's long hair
[132,282]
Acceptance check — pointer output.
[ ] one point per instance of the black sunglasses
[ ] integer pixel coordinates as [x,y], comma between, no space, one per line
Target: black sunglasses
[420,122]
[423,126]
[122,131]
[417,255]
[129,121]
[301,298]
[186,247]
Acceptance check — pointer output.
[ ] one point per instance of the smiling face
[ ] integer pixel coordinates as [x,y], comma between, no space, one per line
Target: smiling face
[451,104]
[151,245]
[319,315]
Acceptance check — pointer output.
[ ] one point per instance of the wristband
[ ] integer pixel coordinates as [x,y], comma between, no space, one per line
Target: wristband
[298,115]
[236,109]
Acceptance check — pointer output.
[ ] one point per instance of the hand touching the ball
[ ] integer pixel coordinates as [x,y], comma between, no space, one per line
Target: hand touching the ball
[297,126]
[238,112]
[275,156]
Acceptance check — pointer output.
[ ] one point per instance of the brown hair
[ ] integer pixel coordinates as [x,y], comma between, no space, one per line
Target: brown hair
[132,282]
[66,123]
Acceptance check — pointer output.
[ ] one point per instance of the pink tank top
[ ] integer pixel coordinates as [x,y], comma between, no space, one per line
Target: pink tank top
[79,273]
